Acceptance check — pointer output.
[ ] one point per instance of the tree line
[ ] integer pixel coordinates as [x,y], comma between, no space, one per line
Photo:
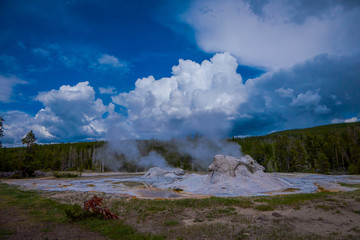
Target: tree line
[323,149]
[49,157]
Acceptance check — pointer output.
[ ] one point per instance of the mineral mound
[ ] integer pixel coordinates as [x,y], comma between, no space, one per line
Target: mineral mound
[231,175]
[228,176]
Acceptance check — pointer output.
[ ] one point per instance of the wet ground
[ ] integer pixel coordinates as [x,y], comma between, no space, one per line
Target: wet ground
[126,184]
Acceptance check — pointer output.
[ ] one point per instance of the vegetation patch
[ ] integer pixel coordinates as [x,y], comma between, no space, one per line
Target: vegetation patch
[353,185]
[4,233]
[67,174]
[291,199]
[325,207]
[171,223]
[264,207]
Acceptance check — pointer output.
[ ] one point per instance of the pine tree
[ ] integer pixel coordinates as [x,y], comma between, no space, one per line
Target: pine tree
[29,165]
[322,163]
[29,140]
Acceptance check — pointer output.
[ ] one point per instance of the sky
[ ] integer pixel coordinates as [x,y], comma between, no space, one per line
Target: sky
[84,70]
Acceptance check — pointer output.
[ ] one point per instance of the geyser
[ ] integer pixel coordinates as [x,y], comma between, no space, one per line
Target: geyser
[228,176]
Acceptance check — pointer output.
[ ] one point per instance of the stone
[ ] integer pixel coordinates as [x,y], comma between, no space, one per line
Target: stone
[276,214]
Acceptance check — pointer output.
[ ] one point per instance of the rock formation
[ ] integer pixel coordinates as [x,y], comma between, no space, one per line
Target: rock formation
[228,176]
[231,175]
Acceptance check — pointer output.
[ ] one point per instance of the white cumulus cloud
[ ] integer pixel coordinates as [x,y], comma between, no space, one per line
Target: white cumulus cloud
[71,111]
[193,97]
[107,59]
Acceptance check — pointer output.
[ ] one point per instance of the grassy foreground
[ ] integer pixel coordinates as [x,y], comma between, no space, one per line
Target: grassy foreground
[300,216]
[47,210]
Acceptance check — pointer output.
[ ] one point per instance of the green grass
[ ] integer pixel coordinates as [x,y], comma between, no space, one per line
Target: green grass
[4,233]
[116,229]
[153,206]
[42,209]
[47,229]
[353,185]
[49,210]
[291,199]
[171,223]
[325,207]
[265,207]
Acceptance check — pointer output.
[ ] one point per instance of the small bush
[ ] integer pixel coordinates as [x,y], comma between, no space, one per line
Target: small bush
[75,213]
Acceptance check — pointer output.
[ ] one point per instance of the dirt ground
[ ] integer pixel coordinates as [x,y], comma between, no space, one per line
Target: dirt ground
[24,226]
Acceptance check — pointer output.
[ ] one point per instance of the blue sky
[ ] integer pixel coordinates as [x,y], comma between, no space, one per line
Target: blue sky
[86,70]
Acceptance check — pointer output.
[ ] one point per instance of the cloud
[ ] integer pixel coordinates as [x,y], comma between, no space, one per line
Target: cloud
[285,93]
[310,99]
[107,90]
[318,85]
[351,120]
[16,125]
[348,120]
[8,64]
[81,58]
[8,83]
[41,52]
[106,59]
[21,45]
[109,63]
[197,97]
[277,33]
[71,112]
